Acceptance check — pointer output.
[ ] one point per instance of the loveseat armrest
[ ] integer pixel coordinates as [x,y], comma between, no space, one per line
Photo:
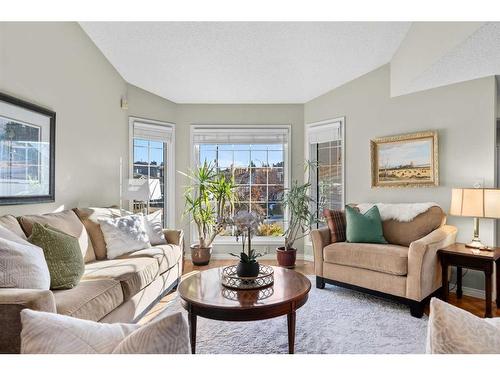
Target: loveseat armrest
[12,301]
[174,236]
[424,273]
[319,238]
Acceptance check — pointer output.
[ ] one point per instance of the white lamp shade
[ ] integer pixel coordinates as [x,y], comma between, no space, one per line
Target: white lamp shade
[483,203]
[142,189]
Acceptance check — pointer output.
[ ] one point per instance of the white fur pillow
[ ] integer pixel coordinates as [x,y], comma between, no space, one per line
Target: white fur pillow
[455,331]
[154,228]
[22,264]
[124,234]
[48,333]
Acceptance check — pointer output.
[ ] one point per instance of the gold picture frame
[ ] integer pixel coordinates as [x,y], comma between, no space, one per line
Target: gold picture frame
[407,160]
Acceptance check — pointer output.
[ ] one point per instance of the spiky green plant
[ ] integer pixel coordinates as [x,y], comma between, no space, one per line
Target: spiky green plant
[210,199]
[301,212]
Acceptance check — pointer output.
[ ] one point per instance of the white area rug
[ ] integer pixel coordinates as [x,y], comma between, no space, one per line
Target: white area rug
[333,320]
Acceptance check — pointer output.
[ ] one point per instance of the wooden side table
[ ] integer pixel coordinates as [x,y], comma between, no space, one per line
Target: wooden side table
[462,257]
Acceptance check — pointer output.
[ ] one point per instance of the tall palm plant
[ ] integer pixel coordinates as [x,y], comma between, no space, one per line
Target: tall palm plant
[210,199]
[301,210]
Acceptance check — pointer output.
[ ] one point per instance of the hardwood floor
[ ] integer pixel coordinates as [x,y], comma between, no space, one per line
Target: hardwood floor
[471,304]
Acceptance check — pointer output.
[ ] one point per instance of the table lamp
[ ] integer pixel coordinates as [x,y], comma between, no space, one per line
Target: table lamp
[476,203]
[142,190]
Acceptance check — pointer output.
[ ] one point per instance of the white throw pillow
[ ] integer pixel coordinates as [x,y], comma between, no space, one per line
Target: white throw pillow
[154,228]
[124,235]
[455,331]
[48,333]
[22,264]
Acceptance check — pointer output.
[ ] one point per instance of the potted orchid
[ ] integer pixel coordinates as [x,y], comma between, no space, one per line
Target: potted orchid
[246,224]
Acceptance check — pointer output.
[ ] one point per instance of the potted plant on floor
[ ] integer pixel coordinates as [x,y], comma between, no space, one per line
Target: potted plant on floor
[210,203]
[302,216]
[247,224]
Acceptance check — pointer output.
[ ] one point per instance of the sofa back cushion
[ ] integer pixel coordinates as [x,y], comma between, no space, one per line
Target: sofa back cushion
[90,218]
[10,222]
[67,222]
[404,233]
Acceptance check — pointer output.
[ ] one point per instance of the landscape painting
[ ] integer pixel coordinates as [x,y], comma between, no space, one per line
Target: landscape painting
[405,160]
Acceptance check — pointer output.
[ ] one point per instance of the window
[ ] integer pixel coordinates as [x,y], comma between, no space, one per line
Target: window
[152,158]
[257,157]
[325,149]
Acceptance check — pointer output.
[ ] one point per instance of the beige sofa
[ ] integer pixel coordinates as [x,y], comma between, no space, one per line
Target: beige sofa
[406,269]
[118,290]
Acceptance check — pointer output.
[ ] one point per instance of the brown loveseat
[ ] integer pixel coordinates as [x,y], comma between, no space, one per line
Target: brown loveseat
[117,290]
[406,269]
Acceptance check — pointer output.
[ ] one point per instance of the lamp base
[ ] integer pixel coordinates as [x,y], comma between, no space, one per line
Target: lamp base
[477,244]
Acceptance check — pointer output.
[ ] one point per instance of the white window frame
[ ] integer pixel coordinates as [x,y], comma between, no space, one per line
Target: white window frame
[257,240]
[169,186]
[307,148]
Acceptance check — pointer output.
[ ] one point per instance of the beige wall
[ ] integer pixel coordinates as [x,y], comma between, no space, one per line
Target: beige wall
[142,103]
[236,114]
[463,114]
[57,66]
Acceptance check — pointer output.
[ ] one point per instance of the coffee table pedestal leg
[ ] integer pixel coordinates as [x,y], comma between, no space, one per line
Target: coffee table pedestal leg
[192,331]
[291,332]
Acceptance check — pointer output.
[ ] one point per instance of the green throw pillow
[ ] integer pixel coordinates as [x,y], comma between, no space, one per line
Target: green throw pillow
[365,227]
[62,254]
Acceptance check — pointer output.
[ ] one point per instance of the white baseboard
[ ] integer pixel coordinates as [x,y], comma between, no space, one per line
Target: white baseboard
[472,292]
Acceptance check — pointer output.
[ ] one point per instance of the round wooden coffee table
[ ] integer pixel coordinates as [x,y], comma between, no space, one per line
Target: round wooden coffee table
[202,294]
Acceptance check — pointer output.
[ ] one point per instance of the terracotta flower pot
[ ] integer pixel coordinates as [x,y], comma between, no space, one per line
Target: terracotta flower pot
[286,258]
[200,256]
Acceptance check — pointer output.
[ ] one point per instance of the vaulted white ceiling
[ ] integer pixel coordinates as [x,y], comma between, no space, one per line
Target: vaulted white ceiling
[244,62]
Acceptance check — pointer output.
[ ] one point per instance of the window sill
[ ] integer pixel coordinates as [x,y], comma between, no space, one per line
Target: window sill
[258,241]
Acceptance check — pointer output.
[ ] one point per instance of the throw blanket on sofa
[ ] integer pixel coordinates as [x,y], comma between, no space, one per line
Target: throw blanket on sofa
[398,211]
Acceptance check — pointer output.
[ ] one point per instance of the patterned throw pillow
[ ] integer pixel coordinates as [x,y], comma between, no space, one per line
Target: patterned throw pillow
[62,254]
[22,265]
[455,331]
[335,219]
[48,333]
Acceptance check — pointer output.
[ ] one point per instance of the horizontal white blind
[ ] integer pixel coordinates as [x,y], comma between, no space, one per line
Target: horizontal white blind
[325,133]
[156,132]
[229,135]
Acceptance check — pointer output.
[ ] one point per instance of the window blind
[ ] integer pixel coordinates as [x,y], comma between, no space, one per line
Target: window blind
[230,135]
[325,133]
[155,132]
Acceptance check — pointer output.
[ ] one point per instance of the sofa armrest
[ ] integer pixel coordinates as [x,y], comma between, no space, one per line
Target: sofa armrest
[320,238]
[424,273]
[12,301]
[174,236]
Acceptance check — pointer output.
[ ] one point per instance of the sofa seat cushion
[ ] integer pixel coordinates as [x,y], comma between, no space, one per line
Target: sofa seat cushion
[134,274]
[90,299]
[65,221]
[167,256]
[391,259]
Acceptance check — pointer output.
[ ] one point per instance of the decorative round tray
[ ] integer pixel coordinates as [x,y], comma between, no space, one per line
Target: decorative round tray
[248,294]
[231,280]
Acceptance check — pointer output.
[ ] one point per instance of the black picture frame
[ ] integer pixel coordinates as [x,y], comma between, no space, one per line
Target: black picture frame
[31,199]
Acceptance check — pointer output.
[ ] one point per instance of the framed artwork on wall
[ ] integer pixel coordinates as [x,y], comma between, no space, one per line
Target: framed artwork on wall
[408,160]
[27,152]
